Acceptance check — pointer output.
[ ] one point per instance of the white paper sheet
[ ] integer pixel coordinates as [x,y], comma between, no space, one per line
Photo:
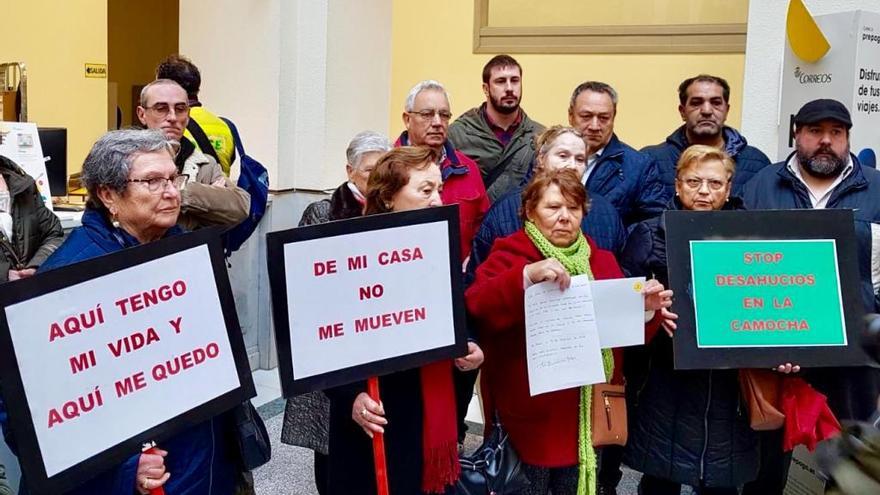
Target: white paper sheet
[562,342]
[620,311]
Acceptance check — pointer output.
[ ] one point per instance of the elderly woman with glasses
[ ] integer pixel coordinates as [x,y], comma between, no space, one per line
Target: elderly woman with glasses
[134,199]
[687,427]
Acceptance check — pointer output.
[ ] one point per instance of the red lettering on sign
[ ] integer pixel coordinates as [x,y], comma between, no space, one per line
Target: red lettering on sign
[142,300]
[133,342]
[330,331]
[325,267]
[400,256]
[357,262]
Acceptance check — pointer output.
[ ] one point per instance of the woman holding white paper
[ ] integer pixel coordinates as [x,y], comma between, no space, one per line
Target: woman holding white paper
[548,431]
[686,427]
[417,413]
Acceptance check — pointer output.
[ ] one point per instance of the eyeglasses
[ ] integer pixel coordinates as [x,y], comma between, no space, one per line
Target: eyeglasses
[695,183]
[156,184]
[163,109]
[428,115]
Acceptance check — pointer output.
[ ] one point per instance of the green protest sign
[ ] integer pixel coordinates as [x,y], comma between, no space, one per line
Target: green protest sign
[767,293]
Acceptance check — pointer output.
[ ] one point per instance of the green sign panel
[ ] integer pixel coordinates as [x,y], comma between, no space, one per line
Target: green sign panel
[767,293]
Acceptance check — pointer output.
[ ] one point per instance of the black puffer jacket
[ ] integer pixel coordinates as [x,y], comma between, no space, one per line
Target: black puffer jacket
[36,231]
[686,426]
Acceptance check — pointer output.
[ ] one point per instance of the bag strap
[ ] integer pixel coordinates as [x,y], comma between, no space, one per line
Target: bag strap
[235,136]
[201,139]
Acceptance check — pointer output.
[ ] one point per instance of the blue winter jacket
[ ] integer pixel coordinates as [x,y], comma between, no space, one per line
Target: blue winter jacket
[601,223]
[199,459]
[852,392]
[749,160]
[630,180]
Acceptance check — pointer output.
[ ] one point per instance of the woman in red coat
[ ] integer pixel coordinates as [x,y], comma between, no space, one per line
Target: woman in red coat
[544,429]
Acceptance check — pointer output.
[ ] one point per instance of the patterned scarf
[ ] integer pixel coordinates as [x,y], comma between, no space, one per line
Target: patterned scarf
[576,260]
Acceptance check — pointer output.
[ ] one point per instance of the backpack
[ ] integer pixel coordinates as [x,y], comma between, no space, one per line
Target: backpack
[255,180]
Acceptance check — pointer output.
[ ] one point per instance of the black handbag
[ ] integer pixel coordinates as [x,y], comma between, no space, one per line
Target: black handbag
[251,435]
[493,469]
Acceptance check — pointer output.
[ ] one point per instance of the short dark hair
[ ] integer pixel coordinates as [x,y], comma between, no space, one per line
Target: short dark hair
[499,61]
[182,71]
[683,87]
[595,87]
[568,182]
[392,173]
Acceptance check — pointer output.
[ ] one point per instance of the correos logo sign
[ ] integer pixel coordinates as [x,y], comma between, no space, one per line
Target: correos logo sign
[804,78]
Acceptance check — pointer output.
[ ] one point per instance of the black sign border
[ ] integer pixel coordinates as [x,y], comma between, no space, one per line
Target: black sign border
[275,242]
[838,224]
[20,420]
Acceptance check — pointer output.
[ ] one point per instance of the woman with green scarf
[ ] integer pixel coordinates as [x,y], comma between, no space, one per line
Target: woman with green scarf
[551,432]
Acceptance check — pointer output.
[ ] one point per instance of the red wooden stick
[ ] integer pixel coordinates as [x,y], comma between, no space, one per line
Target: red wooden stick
[378,444]
[152,450]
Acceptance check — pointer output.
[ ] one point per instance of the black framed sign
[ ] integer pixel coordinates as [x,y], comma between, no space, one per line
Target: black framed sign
[763,288]
[365,297]
[98,357]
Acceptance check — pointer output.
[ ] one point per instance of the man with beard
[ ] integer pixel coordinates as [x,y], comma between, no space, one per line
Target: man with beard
[207,197]
[498,134]
[630,180]
[704,102]
[822,173]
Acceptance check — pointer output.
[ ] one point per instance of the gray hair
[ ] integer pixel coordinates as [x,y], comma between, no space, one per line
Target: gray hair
[110,159]
[157,82]
[595,87]
[422,86]
[363,143]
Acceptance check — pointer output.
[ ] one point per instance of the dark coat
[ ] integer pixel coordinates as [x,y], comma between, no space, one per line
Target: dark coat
[307,416]
[852,392]
[685,426]
[749,160]
[543,428]
[630,180]
[36,231]
[201,459]
[505,165]
[601,223]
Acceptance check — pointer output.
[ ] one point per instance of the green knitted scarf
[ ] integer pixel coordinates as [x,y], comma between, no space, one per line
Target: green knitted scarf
[576,260]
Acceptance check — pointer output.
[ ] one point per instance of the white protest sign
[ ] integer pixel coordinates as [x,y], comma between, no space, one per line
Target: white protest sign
[106,359]
[849,73]
[356,295]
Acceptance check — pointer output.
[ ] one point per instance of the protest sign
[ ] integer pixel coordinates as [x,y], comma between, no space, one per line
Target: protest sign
[762,288]
[101,356]
[353,299]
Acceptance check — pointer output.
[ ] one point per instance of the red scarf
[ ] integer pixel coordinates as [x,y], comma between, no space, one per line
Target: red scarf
[440,465]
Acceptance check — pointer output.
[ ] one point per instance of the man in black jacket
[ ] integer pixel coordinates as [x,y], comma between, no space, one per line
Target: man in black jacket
[704,102]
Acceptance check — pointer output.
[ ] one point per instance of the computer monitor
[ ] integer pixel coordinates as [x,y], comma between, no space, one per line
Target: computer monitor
[54,142]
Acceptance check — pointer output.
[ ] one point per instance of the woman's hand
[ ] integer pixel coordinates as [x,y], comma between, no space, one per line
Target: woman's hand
[151,472]
[549,270]
[656,297]
[472,360]
[788,368]
[20,274]
[369,414]
[668,321]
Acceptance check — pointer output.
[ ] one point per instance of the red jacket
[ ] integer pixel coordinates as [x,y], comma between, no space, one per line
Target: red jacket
[462,184]
[544,428]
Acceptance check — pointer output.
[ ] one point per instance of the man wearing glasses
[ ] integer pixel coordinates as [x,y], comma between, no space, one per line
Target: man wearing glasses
[426,118]
[208,197]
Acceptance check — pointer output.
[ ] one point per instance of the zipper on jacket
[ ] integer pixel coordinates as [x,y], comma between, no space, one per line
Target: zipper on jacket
[7,246]
[706,430]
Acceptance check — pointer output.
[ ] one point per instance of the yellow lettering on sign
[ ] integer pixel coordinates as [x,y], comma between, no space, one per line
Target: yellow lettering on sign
[96,70]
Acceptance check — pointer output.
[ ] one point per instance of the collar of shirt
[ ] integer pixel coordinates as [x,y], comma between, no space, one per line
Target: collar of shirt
[449,164]
[503,135]
[818,201]
[591,163]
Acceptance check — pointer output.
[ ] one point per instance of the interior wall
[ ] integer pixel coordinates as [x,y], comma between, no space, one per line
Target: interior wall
[137,40]
[440,45]
[55,40]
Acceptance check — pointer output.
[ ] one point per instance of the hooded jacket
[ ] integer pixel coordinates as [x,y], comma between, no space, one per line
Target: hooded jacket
[36,231]
[503,167]
[749,160]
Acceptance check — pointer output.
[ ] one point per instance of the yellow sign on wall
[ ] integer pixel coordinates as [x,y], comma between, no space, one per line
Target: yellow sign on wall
[96,71]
